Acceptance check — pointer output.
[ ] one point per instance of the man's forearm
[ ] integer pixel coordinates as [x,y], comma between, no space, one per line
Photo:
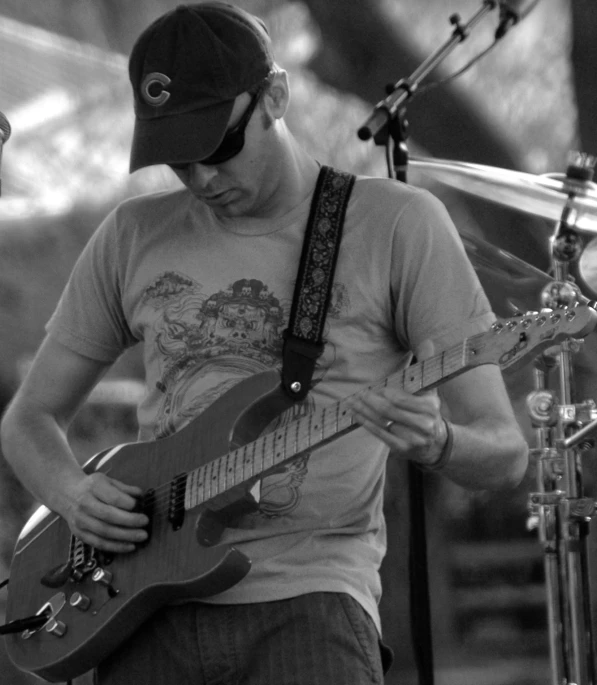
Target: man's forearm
[487,456]
[37,449]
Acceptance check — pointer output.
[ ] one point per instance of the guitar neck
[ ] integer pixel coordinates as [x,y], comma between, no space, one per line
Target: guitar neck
[256,459]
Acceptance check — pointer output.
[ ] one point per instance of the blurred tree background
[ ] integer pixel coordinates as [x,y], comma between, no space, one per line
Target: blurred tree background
[523,106]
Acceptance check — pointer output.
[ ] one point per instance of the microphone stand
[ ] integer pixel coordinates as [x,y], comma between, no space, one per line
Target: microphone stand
[386,123]
[387,120]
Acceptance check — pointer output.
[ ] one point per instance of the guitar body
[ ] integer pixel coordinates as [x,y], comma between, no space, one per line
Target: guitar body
[172,566]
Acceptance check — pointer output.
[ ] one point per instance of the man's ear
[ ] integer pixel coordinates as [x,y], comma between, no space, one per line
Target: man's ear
[278,94]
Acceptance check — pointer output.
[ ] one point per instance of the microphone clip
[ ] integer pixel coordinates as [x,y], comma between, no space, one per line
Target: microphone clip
[508,18]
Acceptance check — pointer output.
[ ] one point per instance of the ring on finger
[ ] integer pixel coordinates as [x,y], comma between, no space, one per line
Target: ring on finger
[388,424]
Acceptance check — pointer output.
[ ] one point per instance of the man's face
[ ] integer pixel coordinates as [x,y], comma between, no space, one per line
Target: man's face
[242,185]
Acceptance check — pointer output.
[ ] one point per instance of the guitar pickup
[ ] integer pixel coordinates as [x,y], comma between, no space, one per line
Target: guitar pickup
[176,510]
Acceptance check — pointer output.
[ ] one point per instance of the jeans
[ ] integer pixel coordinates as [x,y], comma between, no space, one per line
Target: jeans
[316,639]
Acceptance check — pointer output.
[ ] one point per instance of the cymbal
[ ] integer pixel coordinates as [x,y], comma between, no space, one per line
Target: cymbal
[511,284]
[544,196]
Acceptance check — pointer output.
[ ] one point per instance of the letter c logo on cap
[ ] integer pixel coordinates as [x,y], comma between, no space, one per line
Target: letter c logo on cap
[153,89]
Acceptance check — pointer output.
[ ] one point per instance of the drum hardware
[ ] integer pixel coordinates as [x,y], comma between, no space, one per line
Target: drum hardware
[388,126]
[539,195]
[564,427]
[512,285]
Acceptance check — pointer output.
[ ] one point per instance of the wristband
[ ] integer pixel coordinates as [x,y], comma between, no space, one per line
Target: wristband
[446,452]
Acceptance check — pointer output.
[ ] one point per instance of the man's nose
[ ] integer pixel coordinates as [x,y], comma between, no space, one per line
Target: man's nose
[201,174]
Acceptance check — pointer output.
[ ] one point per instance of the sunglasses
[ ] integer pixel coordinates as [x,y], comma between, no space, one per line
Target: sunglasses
[234,140]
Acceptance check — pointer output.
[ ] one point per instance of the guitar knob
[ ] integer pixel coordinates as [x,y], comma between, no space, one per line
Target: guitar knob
[80,601]
[101,576]
[56,628]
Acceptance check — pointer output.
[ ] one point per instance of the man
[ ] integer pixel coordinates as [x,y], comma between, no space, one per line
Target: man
[202,277]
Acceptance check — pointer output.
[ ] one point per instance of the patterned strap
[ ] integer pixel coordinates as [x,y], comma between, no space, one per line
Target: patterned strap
[303,339]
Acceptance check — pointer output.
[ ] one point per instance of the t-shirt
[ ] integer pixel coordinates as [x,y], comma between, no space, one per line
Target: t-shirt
[208,304]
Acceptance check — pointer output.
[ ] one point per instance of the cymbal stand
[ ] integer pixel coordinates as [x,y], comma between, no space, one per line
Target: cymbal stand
[560,510]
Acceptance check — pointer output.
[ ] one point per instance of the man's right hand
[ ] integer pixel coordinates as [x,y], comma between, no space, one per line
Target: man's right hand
[101,513]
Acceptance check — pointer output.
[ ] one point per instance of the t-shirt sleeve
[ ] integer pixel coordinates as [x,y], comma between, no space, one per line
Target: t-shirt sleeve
[437,292]
[89,317]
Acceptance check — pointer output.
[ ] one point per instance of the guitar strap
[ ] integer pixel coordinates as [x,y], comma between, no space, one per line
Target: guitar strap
[303,339]
[303,345]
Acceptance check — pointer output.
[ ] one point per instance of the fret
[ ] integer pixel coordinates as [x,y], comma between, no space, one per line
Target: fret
[344,417]
[209,480]
[201,485]
[316,426]
[258,456]
[239,465]
[428,375]
[232,468]
[268,451]
[280,447]
[412,377]
[222,473]
[248,461]
[254,471]
[289,441]
[229,471]
[325,432]
[297,433]
[466,351]
[236,474]
[190,490]
[219,472]
[307,432]
[331,420]
[297,438]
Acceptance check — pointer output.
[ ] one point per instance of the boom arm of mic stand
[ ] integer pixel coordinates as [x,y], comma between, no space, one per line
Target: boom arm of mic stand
[386,109]
[579,436]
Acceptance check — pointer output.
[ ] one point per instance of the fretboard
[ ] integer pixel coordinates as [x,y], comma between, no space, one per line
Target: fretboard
[268,452]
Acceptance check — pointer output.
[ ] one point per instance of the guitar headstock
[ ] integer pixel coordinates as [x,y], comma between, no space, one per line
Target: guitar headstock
[510,341]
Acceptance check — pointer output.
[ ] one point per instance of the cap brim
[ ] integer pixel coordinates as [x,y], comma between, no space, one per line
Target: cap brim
[179,138]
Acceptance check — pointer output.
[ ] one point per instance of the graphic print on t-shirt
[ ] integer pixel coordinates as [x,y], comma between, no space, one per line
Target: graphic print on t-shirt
[202,336]
[209,342]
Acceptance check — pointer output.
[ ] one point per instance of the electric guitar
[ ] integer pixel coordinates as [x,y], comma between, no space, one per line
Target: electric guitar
[74,604]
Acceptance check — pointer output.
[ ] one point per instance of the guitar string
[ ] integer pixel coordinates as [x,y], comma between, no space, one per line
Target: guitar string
[450,355]
[412,379]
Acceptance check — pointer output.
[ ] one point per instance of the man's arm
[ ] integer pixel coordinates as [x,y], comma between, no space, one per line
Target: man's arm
[97,508]
[488,450]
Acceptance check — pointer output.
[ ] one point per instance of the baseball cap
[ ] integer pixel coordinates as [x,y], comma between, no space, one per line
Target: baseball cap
[186,69]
